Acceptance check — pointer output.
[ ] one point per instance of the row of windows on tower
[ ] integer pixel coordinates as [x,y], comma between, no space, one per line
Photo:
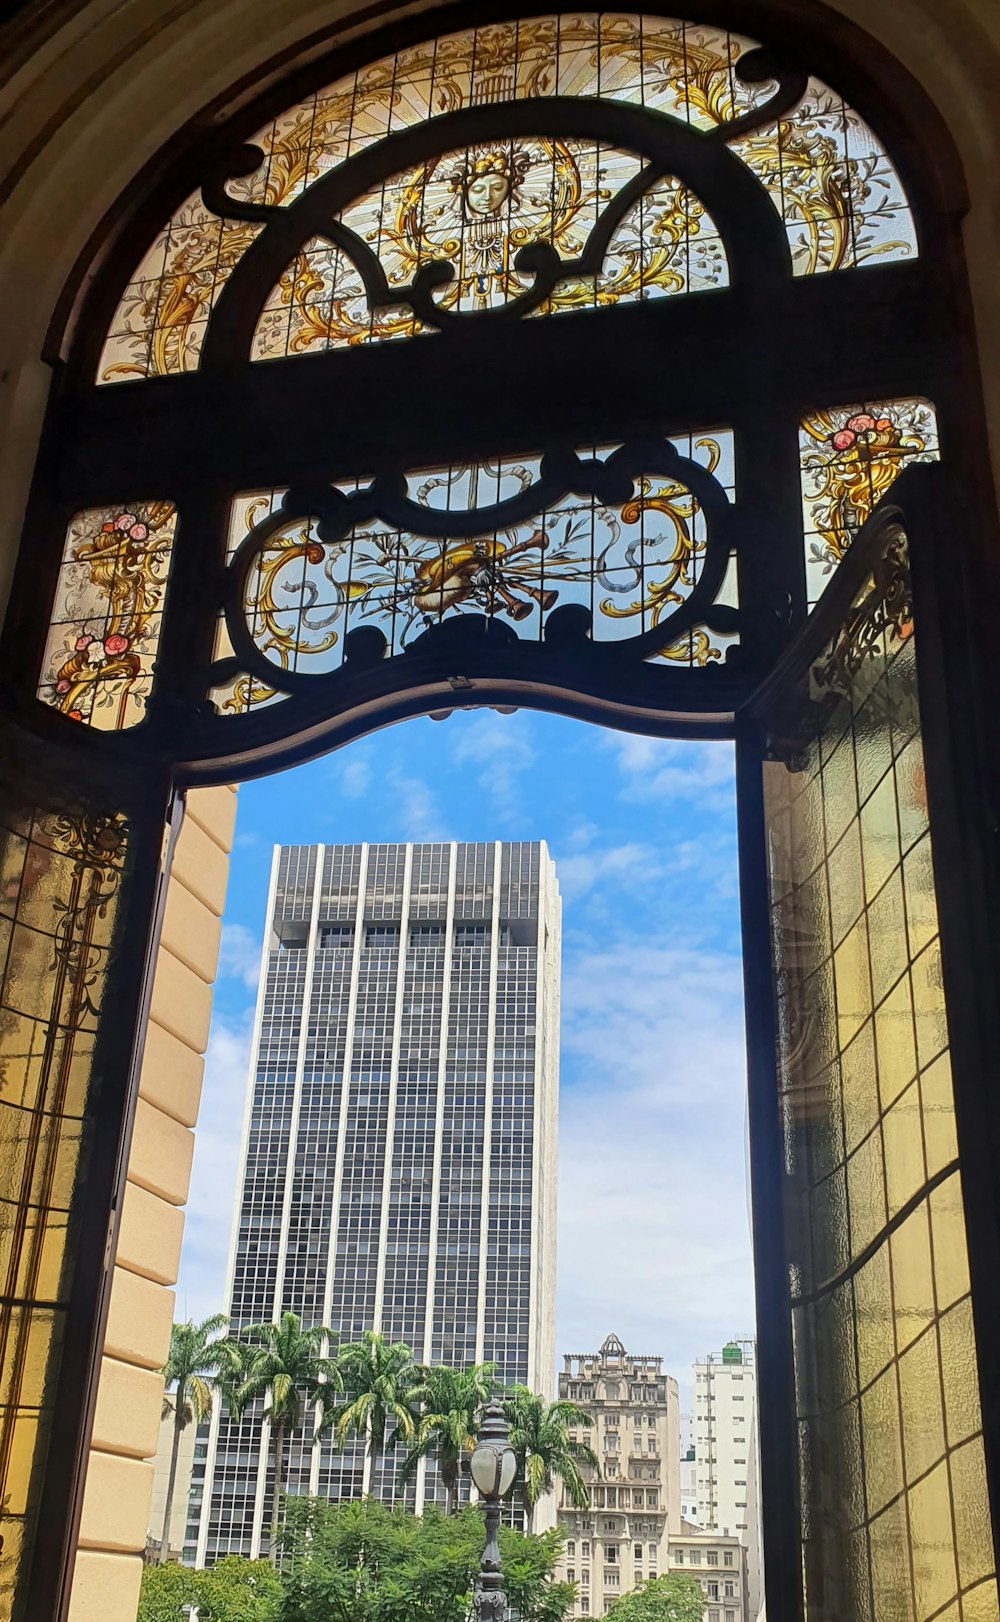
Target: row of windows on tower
[468,933]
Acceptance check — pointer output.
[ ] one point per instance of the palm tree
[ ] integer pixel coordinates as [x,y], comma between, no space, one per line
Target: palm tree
[539,1435]
[380,1381]
[287,1366]
[452,1401]
[192,1370]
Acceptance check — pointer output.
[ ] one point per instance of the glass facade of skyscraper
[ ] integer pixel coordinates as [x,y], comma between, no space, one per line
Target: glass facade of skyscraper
[398,1161]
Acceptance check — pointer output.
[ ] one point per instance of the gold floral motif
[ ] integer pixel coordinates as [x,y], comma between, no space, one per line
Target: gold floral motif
[850,457]
[836,190]
[105,625]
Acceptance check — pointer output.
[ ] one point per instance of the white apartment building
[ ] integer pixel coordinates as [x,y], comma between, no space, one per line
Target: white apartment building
[622,1537]
[399,1147]
[719,1565]
[726,1457]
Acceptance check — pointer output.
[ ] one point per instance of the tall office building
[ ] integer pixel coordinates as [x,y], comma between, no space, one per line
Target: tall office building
[726,1454]
[399,1150]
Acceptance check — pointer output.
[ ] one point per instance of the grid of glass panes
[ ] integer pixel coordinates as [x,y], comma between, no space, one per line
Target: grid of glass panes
[896,1517]
[509,1258]
[838,195]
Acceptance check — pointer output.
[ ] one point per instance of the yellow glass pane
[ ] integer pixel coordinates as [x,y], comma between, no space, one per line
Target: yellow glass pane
[921,898]
[912,794]
[981,1604]
[874,1310]
[847,883]
[854,997]
[887,936]
[902,1136]
[829,1225]
[872,744]
[951,1255]
[890,1546]
[860,1086]
[840,793]
[912,1278]
[938,1104]
[879,836]
[866,1192]
[894,1043]
[961,1378]
[935,1579]
[20,1430]
[880,1425]
[923,1415]
[971,1508]
[928,1005]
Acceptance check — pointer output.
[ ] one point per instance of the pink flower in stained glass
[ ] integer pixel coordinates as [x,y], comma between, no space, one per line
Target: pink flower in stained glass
[862,423]
[124,522]
[83,642]
[884,424]
[115,644]
[843,440]
[138,532]
[62,686]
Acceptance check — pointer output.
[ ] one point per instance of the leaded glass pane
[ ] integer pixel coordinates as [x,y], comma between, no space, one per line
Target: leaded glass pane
[849,457]
[839,198]
[628,564]
[105,626]
[896,1522]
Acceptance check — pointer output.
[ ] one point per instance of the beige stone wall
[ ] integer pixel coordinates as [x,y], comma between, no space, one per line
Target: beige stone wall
[116,1506]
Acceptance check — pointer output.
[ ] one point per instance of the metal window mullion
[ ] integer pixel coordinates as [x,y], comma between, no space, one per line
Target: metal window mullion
[449,934]
[484,1182]
[345,1079]
[286,1199]
[390,1124]
[251,1092]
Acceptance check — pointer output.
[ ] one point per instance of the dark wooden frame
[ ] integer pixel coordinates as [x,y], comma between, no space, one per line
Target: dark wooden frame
[759,355]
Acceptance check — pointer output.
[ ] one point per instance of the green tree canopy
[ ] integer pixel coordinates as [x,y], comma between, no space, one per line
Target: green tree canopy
[380,1379]
[361,1562]
[235,1590]
[673,1598]
[539,1435]
[286,1366]
[452,1401]
[191,1373]
[165,1590]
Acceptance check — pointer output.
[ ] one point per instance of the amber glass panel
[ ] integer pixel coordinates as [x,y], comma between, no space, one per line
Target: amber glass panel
[629,565]
[60,879]
[839,198]
[105,626]
[896,1522]
[849,458]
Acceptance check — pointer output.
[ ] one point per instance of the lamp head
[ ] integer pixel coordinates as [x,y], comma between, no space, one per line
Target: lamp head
[493,1462]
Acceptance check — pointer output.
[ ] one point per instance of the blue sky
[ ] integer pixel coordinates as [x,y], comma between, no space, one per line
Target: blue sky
[653,1230]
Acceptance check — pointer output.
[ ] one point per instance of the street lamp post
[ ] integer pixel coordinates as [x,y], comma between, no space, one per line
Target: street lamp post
[492,1468]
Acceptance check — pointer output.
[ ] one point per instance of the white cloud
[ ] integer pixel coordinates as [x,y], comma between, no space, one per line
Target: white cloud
[420,816]
[653,1228]
[355,777]
[661,770]
[239,955]
[627,865]
[503,750]
[209,1214]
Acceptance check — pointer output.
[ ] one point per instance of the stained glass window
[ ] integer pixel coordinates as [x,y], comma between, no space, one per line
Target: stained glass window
[475,207]
[627,563]
[896,1518]
[105,626]
[849,458]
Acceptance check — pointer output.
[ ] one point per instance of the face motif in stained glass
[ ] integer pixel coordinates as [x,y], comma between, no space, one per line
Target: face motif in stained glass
[829,179]
[105,628]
